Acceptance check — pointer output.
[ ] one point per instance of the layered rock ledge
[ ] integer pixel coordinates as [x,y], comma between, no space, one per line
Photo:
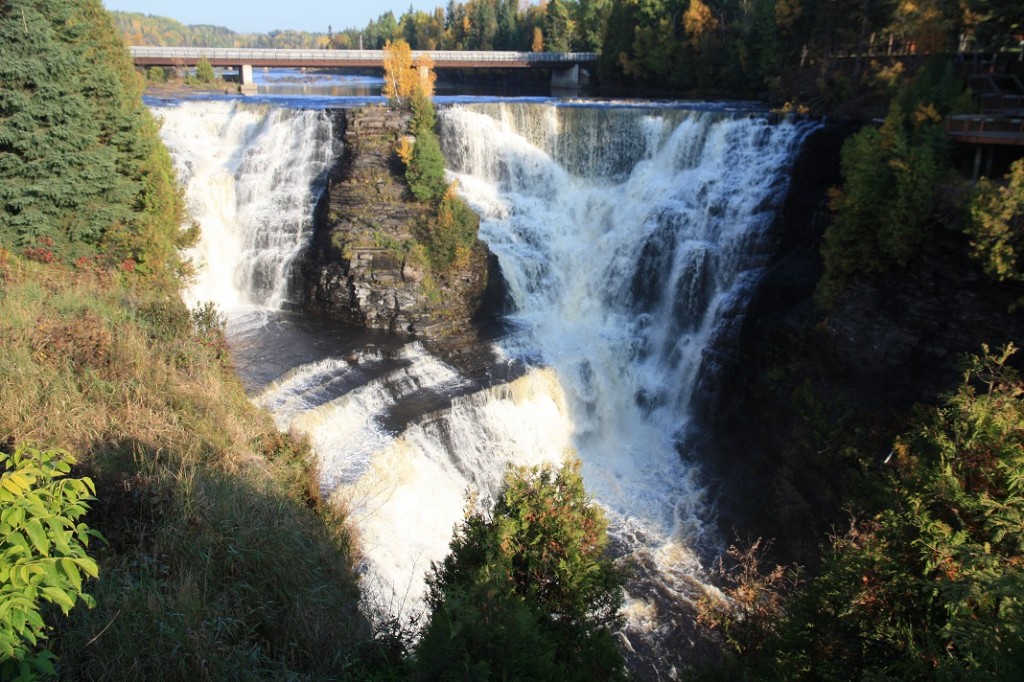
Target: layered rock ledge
[363,265]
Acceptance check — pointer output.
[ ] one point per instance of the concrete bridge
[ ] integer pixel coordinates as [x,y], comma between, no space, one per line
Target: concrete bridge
[565,67]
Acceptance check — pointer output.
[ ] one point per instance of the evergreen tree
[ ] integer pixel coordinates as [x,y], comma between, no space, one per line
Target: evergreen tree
[591,23]
[557,27]
[528,592]
[508,25]
[933,586]
[425,172]
[80,161]
[483,25]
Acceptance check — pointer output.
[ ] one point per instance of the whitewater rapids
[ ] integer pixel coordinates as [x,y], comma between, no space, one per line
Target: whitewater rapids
[630,238]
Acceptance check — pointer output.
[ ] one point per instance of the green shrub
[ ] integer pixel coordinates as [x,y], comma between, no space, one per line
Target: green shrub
[425,172]
[156,74]
[204,71]
[931,585]
[451,233]
[891,175]
[425,169]
[882,211]
[996,225]
[424,115]
[529,592]
[42,552]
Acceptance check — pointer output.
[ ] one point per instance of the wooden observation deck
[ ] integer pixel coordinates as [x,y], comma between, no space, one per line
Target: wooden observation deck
[1000,123]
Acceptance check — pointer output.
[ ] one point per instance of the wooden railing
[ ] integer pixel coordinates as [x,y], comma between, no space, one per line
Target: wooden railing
[986,129]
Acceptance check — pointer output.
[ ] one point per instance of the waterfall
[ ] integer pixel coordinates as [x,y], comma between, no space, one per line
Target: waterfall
[406,491]
[252,175]
[630,238]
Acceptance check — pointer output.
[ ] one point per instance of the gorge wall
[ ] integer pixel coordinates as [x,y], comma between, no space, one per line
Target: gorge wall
[363,265]
[815,396]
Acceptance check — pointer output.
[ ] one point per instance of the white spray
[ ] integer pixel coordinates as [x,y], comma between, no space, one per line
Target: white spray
[629,238]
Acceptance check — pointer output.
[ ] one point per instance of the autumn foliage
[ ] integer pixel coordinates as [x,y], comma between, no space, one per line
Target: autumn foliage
[996,225]
[404,77]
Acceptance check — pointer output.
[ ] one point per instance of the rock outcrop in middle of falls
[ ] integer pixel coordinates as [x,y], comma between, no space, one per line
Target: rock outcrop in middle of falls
[363,266]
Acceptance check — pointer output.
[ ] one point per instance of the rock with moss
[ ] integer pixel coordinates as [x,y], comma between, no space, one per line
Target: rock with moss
[371,262]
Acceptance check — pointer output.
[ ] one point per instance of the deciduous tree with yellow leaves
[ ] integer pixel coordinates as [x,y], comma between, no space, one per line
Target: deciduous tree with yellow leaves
[404,78]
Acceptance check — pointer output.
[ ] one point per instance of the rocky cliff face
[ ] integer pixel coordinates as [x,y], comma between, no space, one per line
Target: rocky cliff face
[363,266]
[809,383]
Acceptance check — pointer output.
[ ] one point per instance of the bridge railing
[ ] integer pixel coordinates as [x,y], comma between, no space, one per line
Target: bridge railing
[189,54]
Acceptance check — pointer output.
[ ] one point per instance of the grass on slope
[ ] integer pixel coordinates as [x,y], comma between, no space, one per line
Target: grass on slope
[220,561]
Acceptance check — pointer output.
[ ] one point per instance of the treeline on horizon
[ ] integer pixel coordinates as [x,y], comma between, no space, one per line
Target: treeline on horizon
[673,44]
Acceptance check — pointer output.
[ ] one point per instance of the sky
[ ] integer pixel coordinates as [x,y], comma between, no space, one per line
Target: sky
[263,16]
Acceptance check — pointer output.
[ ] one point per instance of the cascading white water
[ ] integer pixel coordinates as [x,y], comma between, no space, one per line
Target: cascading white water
[252,175]
[629,237]
[405,492]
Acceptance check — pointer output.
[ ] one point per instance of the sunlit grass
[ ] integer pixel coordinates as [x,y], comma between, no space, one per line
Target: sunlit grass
[220,561]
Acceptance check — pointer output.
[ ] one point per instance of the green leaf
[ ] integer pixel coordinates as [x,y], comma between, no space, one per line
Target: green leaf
[71,570]
[38,536]
[60,598]
[89,566]
[44,663]
[18,540]
[15,483]
[60,542]
[49,568]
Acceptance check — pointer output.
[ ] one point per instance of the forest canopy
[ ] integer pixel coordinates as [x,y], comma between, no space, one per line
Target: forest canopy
[670,44]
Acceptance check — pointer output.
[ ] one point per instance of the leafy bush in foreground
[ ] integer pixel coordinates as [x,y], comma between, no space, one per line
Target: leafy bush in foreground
[42,552]
[527,593]
[932,585]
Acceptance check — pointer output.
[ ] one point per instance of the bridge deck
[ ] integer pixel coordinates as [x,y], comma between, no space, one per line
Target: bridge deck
[188,56]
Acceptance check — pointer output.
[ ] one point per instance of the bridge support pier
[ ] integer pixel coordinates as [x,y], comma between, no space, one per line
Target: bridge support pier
[246,84]
[562,79]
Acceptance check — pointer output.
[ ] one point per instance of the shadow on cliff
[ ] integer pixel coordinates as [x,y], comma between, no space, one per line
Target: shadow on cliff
[808,408]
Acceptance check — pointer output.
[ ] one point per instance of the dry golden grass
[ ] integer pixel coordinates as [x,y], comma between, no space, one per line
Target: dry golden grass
[87,360]
[220,559]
